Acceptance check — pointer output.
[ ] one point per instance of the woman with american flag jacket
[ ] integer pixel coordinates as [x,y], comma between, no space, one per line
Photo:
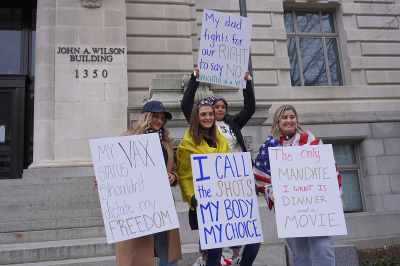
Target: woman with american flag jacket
[286,131]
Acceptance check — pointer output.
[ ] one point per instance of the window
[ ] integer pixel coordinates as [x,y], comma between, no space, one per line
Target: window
[312,43]
[10,40]
[349,168]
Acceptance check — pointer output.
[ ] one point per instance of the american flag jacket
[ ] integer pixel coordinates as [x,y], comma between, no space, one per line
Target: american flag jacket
[262,168]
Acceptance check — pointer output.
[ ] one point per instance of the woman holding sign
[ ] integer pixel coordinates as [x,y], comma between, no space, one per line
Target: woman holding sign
[141,251]
[286,131]
[229,126]
[201,137]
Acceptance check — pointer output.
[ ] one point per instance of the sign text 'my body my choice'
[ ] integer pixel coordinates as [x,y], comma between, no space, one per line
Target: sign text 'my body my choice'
[228,210]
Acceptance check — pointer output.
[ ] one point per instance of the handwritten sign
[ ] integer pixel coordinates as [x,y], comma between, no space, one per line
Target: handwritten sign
[306,190]
[224,48]
[227,210]
[134,191]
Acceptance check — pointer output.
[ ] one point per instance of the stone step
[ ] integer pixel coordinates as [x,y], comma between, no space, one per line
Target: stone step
[58,173]
[76,253]
[18,237]
[43,206]
[49,186]
[49,215]
[47,180]
[47,191]
[23,199]
[50,224]
[98,261]
[55,250]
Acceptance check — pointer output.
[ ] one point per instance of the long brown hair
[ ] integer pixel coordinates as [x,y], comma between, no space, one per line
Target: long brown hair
[198,133]
[275,131]
[143,124]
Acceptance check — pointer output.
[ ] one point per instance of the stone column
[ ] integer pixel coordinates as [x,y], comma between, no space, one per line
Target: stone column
[81,89]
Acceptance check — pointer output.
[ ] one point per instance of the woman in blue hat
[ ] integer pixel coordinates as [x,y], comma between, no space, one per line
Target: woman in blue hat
[166,245]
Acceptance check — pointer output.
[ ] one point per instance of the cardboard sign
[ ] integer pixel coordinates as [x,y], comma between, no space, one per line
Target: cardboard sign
[306,190]
[227,210]
[135,195]
[224,48]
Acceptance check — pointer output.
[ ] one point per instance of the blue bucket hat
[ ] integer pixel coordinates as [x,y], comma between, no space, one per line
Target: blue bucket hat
[156,107]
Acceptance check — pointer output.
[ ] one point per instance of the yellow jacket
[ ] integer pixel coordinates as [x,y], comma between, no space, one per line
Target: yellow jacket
[185,149]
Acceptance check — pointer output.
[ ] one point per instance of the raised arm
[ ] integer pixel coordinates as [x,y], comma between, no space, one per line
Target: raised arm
[249,104]
[188,96]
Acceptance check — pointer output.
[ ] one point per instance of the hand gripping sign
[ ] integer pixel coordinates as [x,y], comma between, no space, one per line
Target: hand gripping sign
[227,210]
[134,190]
[306,190]
[224,48]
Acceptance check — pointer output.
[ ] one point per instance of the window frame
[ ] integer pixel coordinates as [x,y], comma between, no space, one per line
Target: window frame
[355,142]
[323,36]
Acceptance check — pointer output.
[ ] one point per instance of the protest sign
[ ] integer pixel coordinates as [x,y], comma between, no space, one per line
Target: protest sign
[134,190]
[227,210]
[306,191]
[224,48]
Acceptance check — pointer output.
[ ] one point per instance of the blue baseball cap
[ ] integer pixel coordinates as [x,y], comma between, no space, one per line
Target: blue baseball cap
[156,107]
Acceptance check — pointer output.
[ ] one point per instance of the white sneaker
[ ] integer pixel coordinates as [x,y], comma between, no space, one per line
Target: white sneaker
[199,262]
[236,261]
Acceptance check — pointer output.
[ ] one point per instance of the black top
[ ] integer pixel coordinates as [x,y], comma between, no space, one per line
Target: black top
[236,122]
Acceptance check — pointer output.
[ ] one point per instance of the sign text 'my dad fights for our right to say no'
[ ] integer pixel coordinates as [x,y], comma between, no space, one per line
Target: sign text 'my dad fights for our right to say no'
[224,48]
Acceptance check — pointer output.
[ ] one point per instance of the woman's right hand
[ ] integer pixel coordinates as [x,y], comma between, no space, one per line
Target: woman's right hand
[95,183]
[247,76]
[271,196]
[196,73]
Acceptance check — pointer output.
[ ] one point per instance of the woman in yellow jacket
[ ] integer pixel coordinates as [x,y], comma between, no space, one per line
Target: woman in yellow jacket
[201,137]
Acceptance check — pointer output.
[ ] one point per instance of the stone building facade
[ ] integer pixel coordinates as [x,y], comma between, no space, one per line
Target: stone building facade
[349,96]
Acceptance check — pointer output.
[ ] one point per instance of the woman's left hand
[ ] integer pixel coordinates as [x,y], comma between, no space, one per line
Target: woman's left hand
[247,76]
[171,178]
[341,194]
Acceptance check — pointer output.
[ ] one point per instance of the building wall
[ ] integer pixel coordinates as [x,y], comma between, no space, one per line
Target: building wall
[72,107]
[163,37]
[368,103]
[159,40]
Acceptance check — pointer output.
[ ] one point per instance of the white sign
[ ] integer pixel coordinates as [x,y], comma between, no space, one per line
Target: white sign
[227,210]
[2,133]
[306,191]
[224,48]
[134,190]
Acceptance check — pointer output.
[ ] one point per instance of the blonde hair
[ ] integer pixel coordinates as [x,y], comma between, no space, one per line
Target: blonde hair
[275,131]
[143,124]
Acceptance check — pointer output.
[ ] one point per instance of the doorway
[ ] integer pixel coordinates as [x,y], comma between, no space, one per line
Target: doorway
[17,79]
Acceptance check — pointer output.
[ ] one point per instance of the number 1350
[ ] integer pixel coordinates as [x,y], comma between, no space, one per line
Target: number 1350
[94,74]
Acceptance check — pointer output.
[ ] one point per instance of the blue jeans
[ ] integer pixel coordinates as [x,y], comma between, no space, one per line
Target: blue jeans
[214,257]
[321,245]
[161,247]
[249,254]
